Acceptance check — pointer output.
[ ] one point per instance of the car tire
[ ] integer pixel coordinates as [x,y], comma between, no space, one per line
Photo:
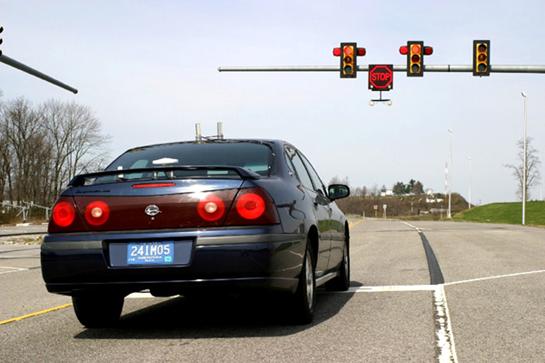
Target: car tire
[100,311]
[342,281]
[304,299]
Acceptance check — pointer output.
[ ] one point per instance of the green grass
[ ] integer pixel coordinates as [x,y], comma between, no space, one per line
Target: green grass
[510,213]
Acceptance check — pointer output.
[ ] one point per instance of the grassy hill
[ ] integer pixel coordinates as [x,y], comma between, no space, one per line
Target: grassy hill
[505,213]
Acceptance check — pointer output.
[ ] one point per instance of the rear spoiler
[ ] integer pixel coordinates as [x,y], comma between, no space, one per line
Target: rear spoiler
[79,180]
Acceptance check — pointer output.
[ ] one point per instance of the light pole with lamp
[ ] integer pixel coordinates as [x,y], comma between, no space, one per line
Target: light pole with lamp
[524,162]
[470,177]
[449,212]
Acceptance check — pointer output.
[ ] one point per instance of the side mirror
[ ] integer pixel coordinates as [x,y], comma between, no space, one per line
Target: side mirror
[338,191]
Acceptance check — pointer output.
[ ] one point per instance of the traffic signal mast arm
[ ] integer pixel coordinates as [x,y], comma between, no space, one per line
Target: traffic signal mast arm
[22,67]
[397,68]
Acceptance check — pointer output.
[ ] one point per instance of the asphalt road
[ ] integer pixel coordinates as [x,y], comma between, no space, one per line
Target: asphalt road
[490,308]
[23,229]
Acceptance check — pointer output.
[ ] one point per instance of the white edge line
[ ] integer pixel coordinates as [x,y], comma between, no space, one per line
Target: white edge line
[493,277]
[449,325]
[392,288]
[139,295]
[410,225]
[12,269]
[443,328]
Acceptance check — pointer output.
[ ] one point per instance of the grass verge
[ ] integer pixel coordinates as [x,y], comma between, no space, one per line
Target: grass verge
[510,213]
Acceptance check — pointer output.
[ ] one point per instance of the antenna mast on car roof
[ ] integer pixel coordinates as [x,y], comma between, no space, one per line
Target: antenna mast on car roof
[200,138]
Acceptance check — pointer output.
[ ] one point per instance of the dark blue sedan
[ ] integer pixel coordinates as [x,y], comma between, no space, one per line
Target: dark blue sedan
[187,217]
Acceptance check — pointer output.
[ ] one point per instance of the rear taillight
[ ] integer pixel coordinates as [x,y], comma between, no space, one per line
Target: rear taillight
[97,213]
[252,207]
[63,214]
[211,208]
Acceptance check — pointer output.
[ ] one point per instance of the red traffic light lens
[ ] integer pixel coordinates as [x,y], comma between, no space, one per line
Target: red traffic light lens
[361,52]
[348,50]
[482,47]
[337,52]
[415,48]
[428,50]
[404,50]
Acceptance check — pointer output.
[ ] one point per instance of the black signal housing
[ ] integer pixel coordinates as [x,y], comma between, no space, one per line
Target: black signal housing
[349,63]
[415,58]
[481,58]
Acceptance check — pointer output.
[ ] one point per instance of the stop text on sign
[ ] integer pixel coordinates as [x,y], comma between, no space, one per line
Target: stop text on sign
[381,77]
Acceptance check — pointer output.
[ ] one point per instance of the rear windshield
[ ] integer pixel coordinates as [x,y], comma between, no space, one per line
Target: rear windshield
[252,156]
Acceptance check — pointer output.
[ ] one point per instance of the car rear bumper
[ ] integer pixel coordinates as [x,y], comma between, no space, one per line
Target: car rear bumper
[221,258]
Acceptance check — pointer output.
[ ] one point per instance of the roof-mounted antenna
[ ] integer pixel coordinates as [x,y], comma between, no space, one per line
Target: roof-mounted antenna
[198,134]
[220,130]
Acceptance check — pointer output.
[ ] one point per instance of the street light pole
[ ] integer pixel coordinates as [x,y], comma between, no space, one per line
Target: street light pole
[449,213]
[525,161]
[470,179]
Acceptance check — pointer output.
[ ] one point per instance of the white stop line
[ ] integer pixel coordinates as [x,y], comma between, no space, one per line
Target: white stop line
[443,329]
[11,269]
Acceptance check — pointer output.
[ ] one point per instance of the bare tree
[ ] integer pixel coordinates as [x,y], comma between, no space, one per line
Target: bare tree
[24,135]
[42,148]
[532,168]
[76,140]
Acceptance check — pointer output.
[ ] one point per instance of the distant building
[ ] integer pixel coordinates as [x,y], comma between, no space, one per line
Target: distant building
[432,197]
[387,193]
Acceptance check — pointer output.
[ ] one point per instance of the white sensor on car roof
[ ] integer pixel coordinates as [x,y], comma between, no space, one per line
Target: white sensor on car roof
[164,161]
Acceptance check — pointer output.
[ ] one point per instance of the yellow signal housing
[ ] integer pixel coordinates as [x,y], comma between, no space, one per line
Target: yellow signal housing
[349,65]
[481,58]
[415,59]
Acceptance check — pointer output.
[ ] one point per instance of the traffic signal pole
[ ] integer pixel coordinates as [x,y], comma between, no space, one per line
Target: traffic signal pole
[22,67]
[439,68]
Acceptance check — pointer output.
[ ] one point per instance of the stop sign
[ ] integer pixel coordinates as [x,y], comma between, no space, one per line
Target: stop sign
[381,77]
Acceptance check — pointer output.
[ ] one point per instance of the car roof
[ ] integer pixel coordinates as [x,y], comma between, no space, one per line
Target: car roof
[214,141]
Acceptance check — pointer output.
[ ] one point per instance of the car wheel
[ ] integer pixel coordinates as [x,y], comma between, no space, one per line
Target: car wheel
[305,296]
[342,281]
[100,311]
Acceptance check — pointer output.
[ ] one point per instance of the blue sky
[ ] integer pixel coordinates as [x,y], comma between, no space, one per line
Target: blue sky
[149,71]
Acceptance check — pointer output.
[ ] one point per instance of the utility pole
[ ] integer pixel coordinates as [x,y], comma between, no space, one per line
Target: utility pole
[446,186]
[525,161]
[449,212]
[470,179]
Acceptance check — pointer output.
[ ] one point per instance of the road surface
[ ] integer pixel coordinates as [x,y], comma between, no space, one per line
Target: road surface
[486,304]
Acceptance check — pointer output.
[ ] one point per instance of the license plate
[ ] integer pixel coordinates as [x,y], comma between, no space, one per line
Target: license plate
[150,253]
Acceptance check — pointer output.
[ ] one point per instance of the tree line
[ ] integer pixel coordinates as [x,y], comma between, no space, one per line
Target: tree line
[43,146]
[412,187]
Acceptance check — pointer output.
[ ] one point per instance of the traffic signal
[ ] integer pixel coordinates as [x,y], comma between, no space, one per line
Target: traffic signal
[349,53]
[1,30]
[481,58]
[415,52]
